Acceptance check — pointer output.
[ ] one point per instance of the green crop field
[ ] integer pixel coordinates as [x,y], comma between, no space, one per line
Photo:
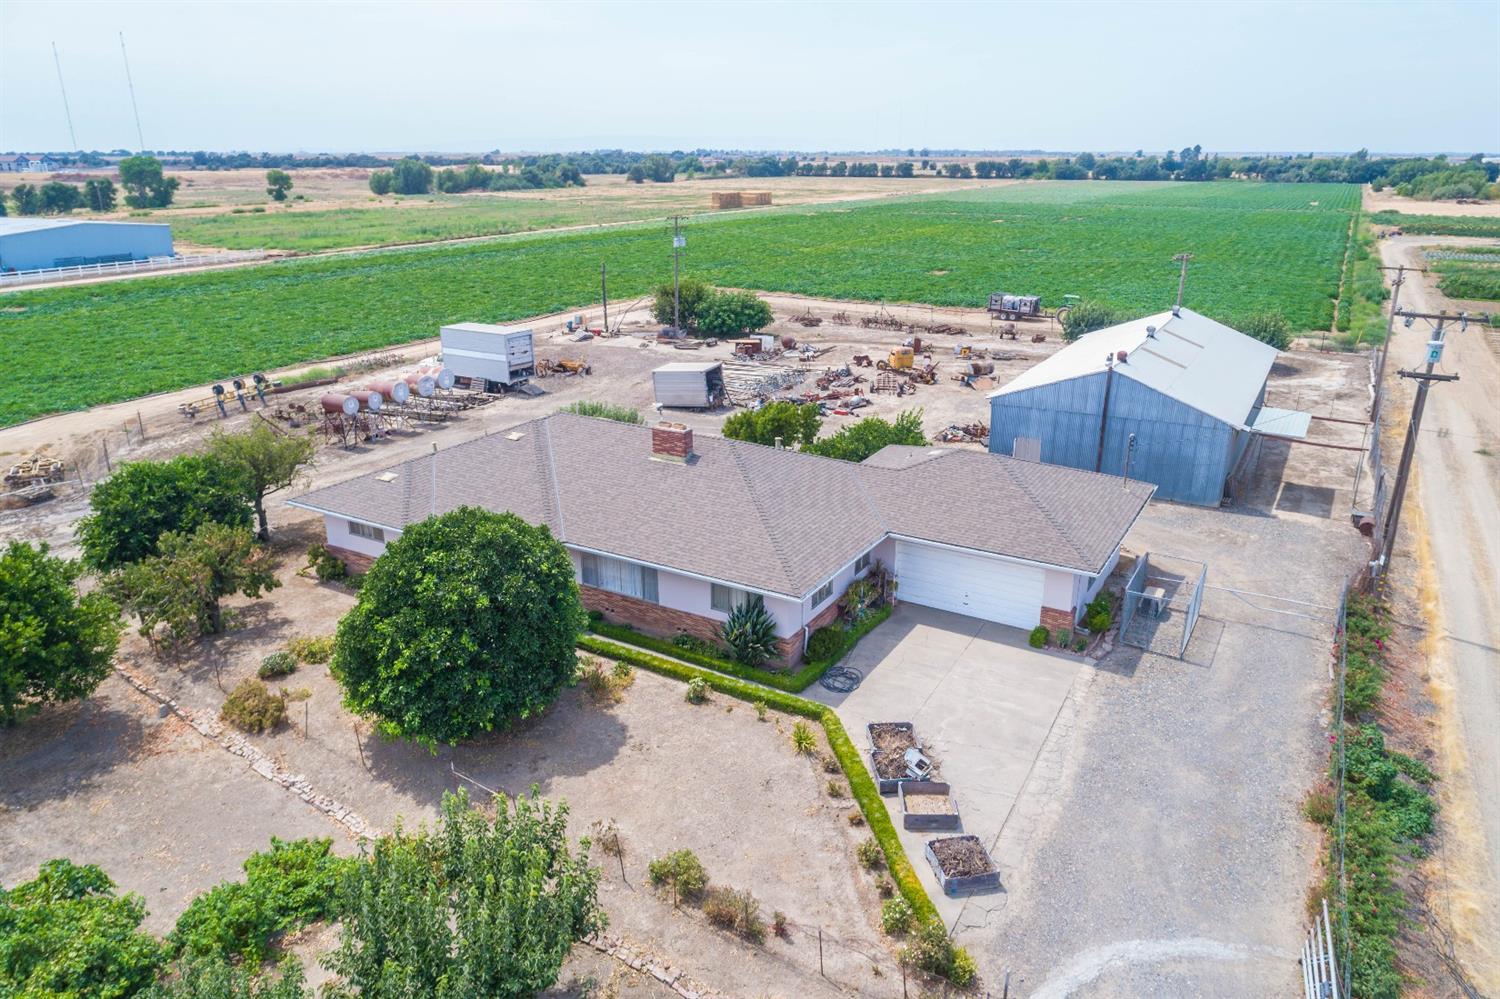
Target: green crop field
[1468,280]
[1255,246]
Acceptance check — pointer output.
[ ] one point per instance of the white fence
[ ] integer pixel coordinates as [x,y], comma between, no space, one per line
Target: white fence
[46,274]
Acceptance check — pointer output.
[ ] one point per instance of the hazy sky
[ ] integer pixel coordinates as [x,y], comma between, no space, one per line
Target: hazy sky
[319,76]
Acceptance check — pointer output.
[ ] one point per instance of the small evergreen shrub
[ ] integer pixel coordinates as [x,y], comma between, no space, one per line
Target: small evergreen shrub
[325,564]
[277,664]
[680,870]
[870,854]
[803,740]
[1039,636]
[251,707]
[825,643]
[311,649]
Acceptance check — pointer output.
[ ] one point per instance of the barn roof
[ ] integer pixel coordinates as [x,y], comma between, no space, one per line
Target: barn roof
[16,226]
[1184,356]
[769,519]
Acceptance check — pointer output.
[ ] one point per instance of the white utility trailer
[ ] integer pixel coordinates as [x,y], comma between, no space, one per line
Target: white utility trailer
[689,385]
[489,358]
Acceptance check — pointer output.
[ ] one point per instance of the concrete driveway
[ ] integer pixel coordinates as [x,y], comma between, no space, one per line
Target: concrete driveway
[983,703]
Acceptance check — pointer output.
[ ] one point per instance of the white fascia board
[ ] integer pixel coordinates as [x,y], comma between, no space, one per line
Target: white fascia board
[299,504]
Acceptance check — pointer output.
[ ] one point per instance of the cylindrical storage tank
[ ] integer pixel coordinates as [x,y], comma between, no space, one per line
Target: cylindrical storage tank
[368,400]
[443,377]
[333,402]
[423,385]
[395,390]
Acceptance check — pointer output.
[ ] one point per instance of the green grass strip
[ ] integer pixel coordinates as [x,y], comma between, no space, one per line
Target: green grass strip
[861,784]
[793,683]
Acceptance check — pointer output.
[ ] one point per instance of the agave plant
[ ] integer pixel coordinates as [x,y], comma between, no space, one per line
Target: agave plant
[750,633]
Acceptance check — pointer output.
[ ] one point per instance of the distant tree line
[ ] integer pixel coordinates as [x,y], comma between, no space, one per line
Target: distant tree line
[141,176]
[413,176]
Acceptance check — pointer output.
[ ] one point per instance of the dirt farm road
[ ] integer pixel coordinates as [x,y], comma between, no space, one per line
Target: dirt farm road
[1458,483]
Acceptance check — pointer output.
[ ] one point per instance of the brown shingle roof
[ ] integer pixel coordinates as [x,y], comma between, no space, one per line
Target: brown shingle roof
[767,519]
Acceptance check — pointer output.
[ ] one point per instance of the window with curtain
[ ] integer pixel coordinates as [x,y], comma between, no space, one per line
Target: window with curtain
[726,598]
[366,531]
[619,576]
[822,593]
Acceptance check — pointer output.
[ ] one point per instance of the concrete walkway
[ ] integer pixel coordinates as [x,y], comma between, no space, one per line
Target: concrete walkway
[983,703]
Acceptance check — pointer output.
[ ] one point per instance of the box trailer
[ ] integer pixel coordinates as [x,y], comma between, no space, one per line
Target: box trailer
[689,384]
[488,358]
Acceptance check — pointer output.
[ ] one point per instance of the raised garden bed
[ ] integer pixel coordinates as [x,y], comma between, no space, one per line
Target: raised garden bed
[889,742]
[962,865]
[927,806]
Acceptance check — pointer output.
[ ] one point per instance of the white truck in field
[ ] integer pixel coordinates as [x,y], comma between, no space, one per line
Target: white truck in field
[488,358]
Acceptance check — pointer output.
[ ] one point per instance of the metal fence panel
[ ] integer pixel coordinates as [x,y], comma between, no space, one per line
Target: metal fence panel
[1195,603]
[1135,587]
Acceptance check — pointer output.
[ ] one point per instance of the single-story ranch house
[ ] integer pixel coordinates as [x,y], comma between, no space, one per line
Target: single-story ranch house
[669,533]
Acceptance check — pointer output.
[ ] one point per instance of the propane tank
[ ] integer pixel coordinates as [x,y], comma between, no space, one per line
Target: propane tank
[397,391]
[367,400]
[333,402]
[423,385]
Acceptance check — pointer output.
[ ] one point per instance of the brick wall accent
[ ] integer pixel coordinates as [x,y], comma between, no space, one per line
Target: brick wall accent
[667,622]
[353,561]
[673,441]
[1055,620]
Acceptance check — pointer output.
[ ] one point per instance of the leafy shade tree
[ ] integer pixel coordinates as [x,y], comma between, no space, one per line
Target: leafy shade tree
[749,632]
[27,198]
[278,182]
[145,185]
[659,169]
[733,313]
[54,644]
[215,978]
[99,194]
[465,623]
[409,176]
[475,908]
[858,441]
[691,294]
[381,181]
[265,461]
[635,175]
[794,424]
[181,588]
[66,933]
[143,500]
[59,198]
[1268,327]
[1085,317]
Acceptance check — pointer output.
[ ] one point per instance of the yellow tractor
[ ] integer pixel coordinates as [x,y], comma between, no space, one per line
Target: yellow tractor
[900,359]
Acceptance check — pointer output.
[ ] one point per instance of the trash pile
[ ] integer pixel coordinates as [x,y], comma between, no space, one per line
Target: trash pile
[968,433]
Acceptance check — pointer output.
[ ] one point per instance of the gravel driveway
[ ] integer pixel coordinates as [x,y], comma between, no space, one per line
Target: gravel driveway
[1166,854]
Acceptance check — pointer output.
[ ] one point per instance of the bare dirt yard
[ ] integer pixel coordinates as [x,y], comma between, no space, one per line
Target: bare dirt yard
[1389,201]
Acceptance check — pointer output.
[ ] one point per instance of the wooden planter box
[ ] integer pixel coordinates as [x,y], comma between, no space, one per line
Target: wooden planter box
[888,785]
[969,884]
[928,821]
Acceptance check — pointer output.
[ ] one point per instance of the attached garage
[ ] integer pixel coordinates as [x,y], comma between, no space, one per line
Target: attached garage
[970,583]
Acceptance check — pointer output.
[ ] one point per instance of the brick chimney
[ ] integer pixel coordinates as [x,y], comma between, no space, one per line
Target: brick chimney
[672,441]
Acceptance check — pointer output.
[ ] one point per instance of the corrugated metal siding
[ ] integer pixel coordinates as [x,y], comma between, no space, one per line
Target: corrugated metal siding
[1185,453]
[39,248]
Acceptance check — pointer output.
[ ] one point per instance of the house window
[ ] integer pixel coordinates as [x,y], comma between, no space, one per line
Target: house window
[726,598]
[619,576]
[863,562]
[822,593]
[366,531]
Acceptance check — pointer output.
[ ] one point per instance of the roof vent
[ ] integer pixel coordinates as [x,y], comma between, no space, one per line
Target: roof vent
[514,435]
[386,477]
[1177,311]
[1151,332]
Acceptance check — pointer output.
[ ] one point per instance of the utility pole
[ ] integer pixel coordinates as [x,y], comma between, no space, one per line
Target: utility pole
[678,242]
[1424,380]
[1390,327]
[1183,259]
[604,291]
[60,86]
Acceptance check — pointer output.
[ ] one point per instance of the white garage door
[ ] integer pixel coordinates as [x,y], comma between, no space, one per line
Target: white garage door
[969,584]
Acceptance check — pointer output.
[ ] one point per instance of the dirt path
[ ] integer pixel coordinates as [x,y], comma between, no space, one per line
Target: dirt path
[1458,483]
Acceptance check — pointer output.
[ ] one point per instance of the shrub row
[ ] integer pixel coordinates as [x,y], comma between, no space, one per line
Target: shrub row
[861,785]
[792,683]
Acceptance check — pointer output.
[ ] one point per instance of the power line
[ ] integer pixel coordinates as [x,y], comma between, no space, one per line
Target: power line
[66,110]
[140,138]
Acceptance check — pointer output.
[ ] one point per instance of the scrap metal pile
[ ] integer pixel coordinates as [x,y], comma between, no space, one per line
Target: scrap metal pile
[885,320]
[968,433]
[749,383]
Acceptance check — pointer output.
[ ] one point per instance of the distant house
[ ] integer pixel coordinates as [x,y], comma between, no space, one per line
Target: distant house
[24,163]
[28,244]
[669,533]
[1176,397]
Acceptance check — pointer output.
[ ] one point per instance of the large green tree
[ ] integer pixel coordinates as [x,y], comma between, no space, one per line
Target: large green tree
[466,623]
[691,294]
[54,644]
[790,422]
[59,198]
[145,185]
[733,313]
[266,461]
[278,182]
[409,176]
[99,194]
[27,199]
[1086,317]
[478,909]
[182,587]
[858,441]
[143,500]
[66,933]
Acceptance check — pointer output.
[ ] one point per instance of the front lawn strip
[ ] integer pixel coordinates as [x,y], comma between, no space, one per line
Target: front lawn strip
[861,785]
[792,683]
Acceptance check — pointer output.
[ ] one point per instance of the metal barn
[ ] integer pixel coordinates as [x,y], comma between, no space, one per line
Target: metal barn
[1172,399]
[28,244]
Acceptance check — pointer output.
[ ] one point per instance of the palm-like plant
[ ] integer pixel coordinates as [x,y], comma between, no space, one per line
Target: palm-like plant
[750,633]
